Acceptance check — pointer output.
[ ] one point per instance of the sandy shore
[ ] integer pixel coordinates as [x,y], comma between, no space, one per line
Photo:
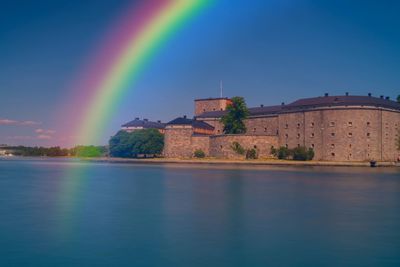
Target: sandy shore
[242,162]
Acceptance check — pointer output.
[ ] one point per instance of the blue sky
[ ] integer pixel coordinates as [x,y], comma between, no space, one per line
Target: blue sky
[267,51]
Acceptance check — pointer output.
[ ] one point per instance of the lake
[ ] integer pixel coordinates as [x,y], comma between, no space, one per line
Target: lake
[73,213]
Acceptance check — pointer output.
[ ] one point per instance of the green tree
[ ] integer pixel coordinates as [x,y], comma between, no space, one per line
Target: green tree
[233,121]
[398,98]
[141,142]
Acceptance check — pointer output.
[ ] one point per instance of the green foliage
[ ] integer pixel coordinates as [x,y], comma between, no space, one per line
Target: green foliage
[281,153]
[298,153]
[233,120]
[39,151]
[89,151]
[251,154]
[199,153]
[238,148]
[398,98]
[131,145]
[302,153]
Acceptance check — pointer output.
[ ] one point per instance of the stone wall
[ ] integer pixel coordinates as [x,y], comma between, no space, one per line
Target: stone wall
[262,126]
[201,142]
[214,122]
[342,134]
[221,145]
[177,142]
[212,104]
[390,133]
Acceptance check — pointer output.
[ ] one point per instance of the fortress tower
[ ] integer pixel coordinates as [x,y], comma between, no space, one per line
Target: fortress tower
[210,104]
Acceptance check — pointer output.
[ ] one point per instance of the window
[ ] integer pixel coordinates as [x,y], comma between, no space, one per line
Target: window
[332,154]
[265,129]
[298,145]
[286,146]
[213,109]
[298,125]
[368,123]
[286,126]
[332,124]
[286,135]
[255,146]
[298,135]
[350,123]
[350,134]
[312,125]
[332,145]
[254,130]
[220,146]
[218,131]
[350,146]
[332,134]
[368,134]
[312,135]
[312,145]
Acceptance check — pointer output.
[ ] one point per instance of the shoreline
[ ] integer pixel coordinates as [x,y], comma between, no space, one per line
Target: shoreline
[214,161]
[266,162]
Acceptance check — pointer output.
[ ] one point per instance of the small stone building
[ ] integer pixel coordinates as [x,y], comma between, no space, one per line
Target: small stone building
[338,128]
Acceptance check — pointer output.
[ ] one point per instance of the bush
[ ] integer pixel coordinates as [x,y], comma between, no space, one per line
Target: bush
[238,148]
[283,152]
[199,153]
[251,154]
[310,153]
[298,153]
[273,151]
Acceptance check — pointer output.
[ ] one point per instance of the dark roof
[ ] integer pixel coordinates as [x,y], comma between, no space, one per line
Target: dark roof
[270,110]
[180,121]
[194,123]
[347,100]
[314,102]
[145,124]
[212,114]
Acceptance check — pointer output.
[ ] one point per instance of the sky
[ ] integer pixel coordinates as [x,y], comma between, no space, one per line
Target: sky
[268,51]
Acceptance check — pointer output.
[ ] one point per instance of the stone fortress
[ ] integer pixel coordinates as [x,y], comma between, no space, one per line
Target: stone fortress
[338,128]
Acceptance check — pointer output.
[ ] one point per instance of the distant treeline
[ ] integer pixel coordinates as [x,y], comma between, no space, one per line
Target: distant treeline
[78,151]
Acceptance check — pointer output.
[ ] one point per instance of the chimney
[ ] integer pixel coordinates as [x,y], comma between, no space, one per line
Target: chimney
[184,116]
[388,98]
[347,93]
[159,121]
[136,119]
[381,96]
[283,103]
[369,94]
[262,105]
[145,119]
[326,94]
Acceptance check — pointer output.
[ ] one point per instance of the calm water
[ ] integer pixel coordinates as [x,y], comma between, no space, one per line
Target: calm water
[71,213]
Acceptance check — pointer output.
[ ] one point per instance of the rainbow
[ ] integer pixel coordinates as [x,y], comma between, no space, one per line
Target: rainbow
[117,65]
